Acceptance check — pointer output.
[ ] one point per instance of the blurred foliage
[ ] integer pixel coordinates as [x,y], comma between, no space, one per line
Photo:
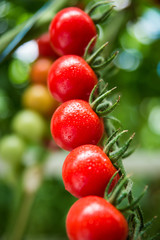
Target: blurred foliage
[47,219]
[50,207]
[135,32]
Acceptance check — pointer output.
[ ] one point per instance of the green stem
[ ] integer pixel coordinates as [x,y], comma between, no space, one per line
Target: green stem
[22,219]
[31,29]
[31,182]
[109,130]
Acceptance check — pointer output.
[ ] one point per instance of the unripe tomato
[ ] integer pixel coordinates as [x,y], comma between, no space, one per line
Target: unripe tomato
[39,70]
[74,123]
[30,125]
[38,98]
[93,171]
[93,218]
[70,31]
[44,46]
[70,77]
[12,148]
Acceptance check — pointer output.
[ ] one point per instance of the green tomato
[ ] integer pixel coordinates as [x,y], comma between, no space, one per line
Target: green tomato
[18,72]
[12,148]
[30,125]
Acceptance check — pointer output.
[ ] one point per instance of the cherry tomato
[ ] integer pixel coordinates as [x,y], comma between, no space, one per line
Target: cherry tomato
[30,125]
[44,46]
[70,77]
[93,218]
[39,70]
[70,31]
[38,98]
[74,123]
[93,171]
[12,148]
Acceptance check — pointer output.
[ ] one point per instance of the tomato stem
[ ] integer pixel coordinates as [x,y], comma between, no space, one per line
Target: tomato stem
[105,63]
[96,54]
[113,140]
[88,47]
[99,18]
[108,110]
[103,17]
[133,205]
[110,130]
[99,99]
[115,193]
[125,192]
[115,155]
[109,184]
[89,9]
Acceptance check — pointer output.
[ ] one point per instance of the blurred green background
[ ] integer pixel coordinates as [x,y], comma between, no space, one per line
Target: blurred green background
[26,186]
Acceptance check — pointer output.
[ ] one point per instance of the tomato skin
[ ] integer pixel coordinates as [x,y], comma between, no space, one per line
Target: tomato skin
[70,77]
[93,171]
[44,46]
[70,31]
[93,218]
[39,70]
[74,123]
[38,98]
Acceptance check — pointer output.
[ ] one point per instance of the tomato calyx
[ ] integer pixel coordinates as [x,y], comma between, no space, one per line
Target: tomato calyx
[95,60]
[121,191]
[99,18]
[99,103]
[93,56]
[114,155]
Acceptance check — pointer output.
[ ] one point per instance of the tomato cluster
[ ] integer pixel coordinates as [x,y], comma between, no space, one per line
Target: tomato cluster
[76,127]
[65,84]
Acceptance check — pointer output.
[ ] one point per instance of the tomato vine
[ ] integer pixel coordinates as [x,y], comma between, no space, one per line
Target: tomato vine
[77,176]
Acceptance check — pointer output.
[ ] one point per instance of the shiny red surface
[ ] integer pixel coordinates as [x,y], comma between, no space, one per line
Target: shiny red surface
[93,218]
[74,123]
[70,31]
[70,77]
[87,171]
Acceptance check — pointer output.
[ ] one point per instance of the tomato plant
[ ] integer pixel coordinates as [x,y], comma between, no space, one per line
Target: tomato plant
[39,70]
[38,98]
[74,123]
[44,47]
[30,125]
[93,171]
[71,30]
[93,218]
[87,170]
[70,77]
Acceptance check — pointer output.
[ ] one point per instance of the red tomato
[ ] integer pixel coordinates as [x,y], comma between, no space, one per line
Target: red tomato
[74,123]
[70,77]
[44,46]
[70,31]
[39,70]
[93,218]
[93,171]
